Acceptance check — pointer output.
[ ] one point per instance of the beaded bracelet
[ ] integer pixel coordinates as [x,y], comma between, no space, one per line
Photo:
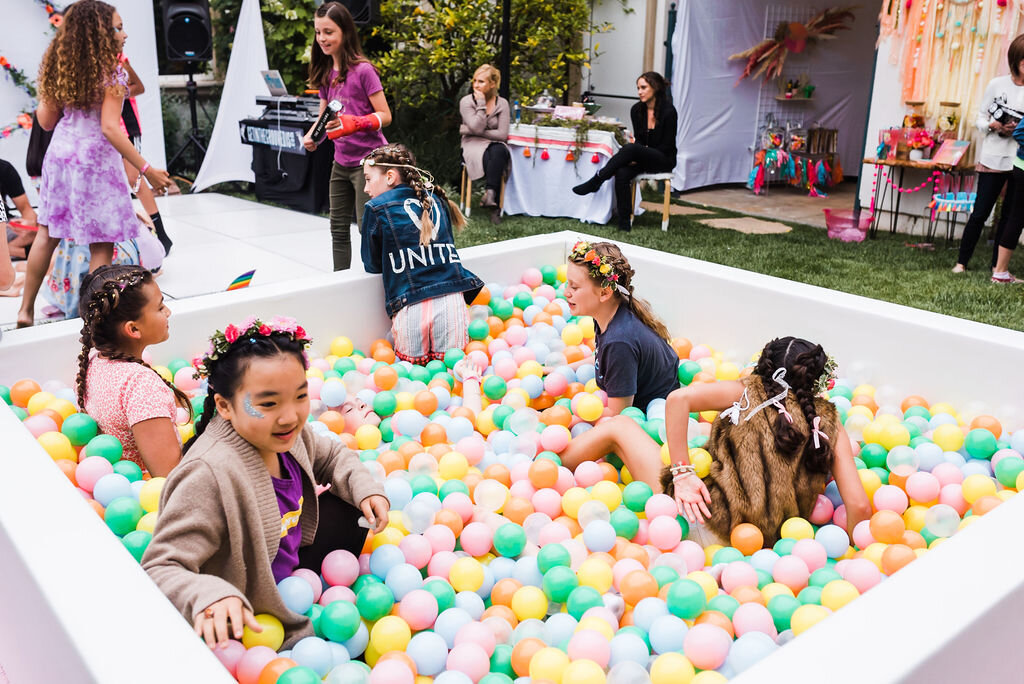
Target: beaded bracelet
[681,470]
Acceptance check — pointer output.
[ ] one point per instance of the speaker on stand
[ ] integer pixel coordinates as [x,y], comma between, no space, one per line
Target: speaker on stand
[188,38]
[364,12]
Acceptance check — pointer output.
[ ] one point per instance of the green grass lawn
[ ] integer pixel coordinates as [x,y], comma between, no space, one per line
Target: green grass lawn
[883,268]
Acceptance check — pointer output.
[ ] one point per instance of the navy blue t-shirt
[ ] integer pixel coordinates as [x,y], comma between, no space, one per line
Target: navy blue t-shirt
[633,360]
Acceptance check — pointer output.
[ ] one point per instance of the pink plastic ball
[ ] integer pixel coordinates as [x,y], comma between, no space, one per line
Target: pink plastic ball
[252,663]
[184,379]
[364,366]
[469,659]
[516,336]
[661,505]
[547,501]
[523,354]
[496,346]
[313,579]
[337,593]
[862,573]
[953,495]
[38,424]
[923,487]
[416,549]
[588,474]
[565,480]
[692,553]
[675,561]
[476,539]
[862,537]
[555,384]
[753,617]
[811,552]
[947,473]
[391,672]
[707,646]
[532,278]
[555,438]
[90,470]
[546,291]
[738,574]
[839,517]
[473,448]
[699,352]
[553,533]
[791,571]
[418,608]
[459,503]
[315,385]
[506,369]
[364,563]
[230,654]
[623,568]
[591,645]
[472,633]
[641,533]
[664,532]
[522,489]
[891,498]
[441,538]
[821,514]
[520,471]
[340,567]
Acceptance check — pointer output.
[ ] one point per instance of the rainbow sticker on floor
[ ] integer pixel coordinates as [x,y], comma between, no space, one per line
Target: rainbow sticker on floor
[241,281]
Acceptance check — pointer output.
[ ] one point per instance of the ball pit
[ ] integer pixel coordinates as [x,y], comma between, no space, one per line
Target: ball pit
[604,581]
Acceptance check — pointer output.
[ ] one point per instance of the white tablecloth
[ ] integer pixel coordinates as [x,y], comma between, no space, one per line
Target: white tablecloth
[543,187]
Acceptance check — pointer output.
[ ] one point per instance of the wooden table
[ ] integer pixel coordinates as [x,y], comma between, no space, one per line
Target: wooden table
[890,165]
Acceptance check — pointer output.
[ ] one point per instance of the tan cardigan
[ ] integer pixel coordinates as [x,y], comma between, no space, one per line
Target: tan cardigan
[479,129]
[219,526]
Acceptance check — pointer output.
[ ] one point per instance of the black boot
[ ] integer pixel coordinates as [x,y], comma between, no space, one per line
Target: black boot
[161,234]
[589,186]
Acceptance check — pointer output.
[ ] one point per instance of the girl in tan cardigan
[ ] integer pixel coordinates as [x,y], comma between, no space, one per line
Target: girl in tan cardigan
[240,512]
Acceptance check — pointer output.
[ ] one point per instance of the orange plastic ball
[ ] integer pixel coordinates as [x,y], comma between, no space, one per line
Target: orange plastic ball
[542,317]
[400,656]
[384,355]
[557,415]
[913,400]
[522,654]
[425,402]
[636,586]
[746,538]
[682,347]
[476,345]
[574,529]
[573,354]
[517,509]
[433,434]
[608,472]
[887,527]
[634,552]
[67,467]
[501,594]
[274,669]
[495,325]
[449,519]
[348,439]
[716,618]
[500,473]
[747,594]
[385,377]
[543,473]
[52,415]
[463,412]
[391,461]
[985,504]
[867,401]
[334,421]
[988,423]
[573,389]
[22,391]
[704,376]
[553,309]
[483,297]
[914,540]
[96,506]
[895,557]
[503,612]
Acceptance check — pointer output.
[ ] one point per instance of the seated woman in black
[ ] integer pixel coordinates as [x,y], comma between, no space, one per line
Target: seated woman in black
[654,128]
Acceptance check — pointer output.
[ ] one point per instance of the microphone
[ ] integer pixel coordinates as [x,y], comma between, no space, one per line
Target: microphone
[330,111]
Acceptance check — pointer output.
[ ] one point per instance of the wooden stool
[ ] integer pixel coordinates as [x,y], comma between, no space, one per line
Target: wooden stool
[667,177]
[466,192]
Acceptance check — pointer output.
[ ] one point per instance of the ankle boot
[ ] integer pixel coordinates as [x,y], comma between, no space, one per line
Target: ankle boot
[589,186]
[489,199]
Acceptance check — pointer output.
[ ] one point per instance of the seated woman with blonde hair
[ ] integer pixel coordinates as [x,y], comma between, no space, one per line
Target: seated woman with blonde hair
[484,129]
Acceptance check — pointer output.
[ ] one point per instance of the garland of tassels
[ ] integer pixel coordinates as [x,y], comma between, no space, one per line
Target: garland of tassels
[797,171]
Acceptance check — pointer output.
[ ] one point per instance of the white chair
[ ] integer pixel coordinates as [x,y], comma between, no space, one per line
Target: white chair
[466,192]
[667,178]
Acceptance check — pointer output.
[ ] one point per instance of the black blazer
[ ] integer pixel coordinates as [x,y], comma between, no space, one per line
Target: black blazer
[663,136]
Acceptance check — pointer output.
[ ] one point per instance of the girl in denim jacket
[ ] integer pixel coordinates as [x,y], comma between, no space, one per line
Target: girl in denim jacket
[407,238]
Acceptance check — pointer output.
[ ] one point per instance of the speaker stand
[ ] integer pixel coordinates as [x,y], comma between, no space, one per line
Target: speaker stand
[195,139]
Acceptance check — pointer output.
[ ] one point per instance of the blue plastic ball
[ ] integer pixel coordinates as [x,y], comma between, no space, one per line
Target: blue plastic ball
[111,486]
[429,651]
[314,653]
[648,610]
[333,394]
[403,578]
[471,603]
[384,558]
[628,648]
[450,622]
[296,594]
[667,634]
[599,535]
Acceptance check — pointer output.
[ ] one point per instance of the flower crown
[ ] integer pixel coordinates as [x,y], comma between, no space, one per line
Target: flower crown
[827,379]
[252,327]
[600,266]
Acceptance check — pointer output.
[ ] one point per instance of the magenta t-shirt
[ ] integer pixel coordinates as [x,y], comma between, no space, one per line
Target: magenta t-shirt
[289,502]
[354,93]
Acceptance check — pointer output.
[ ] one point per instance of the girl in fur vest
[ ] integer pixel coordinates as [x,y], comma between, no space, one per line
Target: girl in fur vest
[775,445]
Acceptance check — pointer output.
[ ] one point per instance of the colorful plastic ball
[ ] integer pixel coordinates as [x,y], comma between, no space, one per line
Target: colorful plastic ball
[374,601]
[390,633]
[976,486]
[418,608]
[391,672]
[313,653]
[672,668]
[79,428]
[136,542]
[791,571]
[781,608]
[589,644]
[837,594]
[588,407]
[529,602]
[57,445]
[429,651]
[796,528]
[707,646]
[123,515]
[548,664]
[110,487]
[948,437]
[340,567]
[251,663]
[272,635]
[686,599]
[584,671]
[806,616]
[509,540]
[105,446]
[296,594]
[861,573]
[667,634]
[339,621]
[891,498]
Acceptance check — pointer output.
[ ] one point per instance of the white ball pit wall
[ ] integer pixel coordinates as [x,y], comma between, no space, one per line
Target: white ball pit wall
[90,613]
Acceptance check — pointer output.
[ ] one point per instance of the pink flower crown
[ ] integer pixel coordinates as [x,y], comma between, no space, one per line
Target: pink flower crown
[252,327]
[600,266]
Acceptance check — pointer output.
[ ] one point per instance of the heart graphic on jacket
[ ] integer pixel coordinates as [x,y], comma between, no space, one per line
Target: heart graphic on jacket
[414,209]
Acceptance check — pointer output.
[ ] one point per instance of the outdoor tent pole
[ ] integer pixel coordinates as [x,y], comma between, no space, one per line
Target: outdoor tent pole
[506,48]
[867,120]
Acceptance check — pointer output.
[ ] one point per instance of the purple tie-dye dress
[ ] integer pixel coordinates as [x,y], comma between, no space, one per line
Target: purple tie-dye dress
[84,195]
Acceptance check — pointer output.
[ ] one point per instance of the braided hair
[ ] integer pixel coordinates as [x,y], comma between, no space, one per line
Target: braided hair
[225,373]
[804,363]
[398,157]
[110,297]
[639,307]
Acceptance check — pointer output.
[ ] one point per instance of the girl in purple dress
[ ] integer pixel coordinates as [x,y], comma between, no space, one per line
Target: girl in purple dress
[83,195]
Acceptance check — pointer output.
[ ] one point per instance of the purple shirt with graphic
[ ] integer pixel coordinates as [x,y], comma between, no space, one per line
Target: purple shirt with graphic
[354,93]
[289,502]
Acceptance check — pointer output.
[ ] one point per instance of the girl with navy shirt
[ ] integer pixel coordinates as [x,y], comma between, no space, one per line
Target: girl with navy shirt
[407,238]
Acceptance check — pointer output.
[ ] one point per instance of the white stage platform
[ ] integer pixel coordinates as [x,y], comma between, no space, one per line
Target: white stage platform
[219,237]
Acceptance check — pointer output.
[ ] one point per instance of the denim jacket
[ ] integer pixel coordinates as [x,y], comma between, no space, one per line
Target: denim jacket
[1018,135]
[412,272]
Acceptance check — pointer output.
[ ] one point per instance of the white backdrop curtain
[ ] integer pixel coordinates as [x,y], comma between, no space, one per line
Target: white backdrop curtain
[718,121]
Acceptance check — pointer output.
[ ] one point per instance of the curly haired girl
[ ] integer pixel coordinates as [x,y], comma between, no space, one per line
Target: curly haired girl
[775,445]
[407,237]
[123,312]
[83,195]
[635,362]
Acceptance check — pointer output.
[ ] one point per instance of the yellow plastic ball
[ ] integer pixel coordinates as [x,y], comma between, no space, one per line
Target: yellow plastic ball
[561,272]
[872,432]
[331,359]
[942,407]
[573,500]
[452,466]
[404,401]
[595,573]
[868,390]
[388,536]
[705,580]
[773,589]
[887,419]
[341,346]
[672,668]
[596,624]
[709,677]
[530,368]
[807,616]
[874,553]
[186,431]
[870,481]
[149,494]
[396,521]
[797,528]
[837,594]
[548,664]
[272,635]
[164,372]
[588,407]
[591,386]
[466,574]
[894,435]
[368,437]
[709,416]
[572,335]
[38,401]
[701,460]
[859,410]
[607,493]
[968,521]
[1006,494]
[913,517]
[948,437]
[727,371]
[528,602]
[485,422]
[709,553]
[147,523]
[62,406]
[371,655]
[586,324]
[626,478]
[516,398]
[976,486]
[390,633]
[583,672]
[56,444]
[314,372]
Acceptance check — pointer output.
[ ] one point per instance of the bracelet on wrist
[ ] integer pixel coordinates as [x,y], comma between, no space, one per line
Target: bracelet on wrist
[681,470]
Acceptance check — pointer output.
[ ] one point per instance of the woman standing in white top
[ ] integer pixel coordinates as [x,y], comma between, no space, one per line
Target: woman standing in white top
[1000,109]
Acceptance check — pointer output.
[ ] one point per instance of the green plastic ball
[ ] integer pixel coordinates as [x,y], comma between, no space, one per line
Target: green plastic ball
[634,413]
[549,273]
[344,365]
[781,608]
[548,455]
[664,575]
[452,357]
[625,522]
[315,613]
[364,581]
[5,394]
[654,429]
[384,403]
[510,540]
[822,576]
[687,370]
[494,387]
[919,411]
[301,674]
[724,604]
[636,494]
[503,309]
[810,595]
[686,599]
[552,556]
[452,487]
[106,446]
[873,455]
[500,415]
[726,554]
[122,515]
[129,469]
[559,582]
[883,474]
[443,592]
[522,300]
[582,599]
[842,391]
[21,413]
[1007,470]
[784,547]
[479,329]
[501,666]
[764,578]
[177,364]
[387,433]
[636,631]
[423,483]
[373,601]
[136,542]
[980,443]
[79,428]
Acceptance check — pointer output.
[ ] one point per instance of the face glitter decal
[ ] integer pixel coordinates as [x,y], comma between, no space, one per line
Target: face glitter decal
[250,410]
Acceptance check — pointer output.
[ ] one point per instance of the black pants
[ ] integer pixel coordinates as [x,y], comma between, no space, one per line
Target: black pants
[989,187]
[336,529]
[628,163]
[496,159]
[1010,234]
